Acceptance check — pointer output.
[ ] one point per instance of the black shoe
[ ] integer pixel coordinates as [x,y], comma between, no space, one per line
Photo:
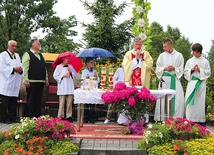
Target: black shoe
[16,121]
[70,119]
[91,121]
[7,122]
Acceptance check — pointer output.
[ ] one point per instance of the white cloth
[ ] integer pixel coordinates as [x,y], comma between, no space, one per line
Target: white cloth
[118,76]
[165,59]
[65,86]
[196,112]
[86,72]
[94,97]
[88,97]
[10,83]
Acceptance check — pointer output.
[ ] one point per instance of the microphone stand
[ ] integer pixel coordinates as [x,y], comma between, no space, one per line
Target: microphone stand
[161,79]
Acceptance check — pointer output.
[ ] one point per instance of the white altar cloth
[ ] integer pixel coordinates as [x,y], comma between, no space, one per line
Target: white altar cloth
[82,97]
[94,97]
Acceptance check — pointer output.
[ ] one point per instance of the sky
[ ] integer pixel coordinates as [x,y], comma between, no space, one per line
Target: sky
[194,18]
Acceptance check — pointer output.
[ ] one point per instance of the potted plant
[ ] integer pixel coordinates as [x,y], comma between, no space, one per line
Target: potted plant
[155,134]
[134,102]
[184,129]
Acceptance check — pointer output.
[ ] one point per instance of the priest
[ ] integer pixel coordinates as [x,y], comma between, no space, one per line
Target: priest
[137,65]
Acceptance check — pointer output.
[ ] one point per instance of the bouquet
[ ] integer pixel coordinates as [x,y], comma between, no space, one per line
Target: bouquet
[135,102]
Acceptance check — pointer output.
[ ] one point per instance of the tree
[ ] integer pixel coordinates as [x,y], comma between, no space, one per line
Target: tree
[158,35]
[19,18]
[104,32]
[59,33]
[210,84]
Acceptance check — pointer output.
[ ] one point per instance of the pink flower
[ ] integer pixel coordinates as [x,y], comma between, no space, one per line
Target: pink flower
[107,97]
[120,86]
[131,102]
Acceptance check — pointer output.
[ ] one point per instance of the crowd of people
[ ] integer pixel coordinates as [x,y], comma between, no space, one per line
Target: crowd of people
[135,71]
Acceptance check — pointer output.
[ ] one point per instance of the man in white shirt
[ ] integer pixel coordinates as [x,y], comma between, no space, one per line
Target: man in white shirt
[10,77]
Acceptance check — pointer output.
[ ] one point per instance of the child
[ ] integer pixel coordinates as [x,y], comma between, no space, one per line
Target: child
[64,74]
[91,72]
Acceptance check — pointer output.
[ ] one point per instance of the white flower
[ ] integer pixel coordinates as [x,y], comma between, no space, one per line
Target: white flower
[147,133]
[139,9]
[160,134]
[143,36]
[17,137]
[141,22]
[149,126]
[185,122]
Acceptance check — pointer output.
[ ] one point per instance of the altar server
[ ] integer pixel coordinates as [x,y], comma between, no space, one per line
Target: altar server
[89,71]
[10,77]
[169,68]
[64,74]
[197,71]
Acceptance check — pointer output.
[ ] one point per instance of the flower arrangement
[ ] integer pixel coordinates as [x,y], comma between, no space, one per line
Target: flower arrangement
[129,99]
[140,13]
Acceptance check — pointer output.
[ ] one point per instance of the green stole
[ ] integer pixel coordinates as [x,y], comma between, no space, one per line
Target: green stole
[173,87]
[191,97]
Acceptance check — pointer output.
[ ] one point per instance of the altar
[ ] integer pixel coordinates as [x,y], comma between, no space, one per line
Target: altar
[82,97]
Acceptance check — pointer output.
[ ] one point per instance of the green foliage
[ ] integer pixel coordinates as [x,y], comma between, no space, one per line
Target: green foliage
[103,32]
[67,146]
[18,19]
[184,46]
[58,38]
[3,137]
[210,85]
[8,144]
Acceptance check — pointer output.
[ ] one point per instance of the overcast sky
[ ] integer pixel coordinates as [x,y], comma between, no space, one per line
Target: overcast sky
[194,18]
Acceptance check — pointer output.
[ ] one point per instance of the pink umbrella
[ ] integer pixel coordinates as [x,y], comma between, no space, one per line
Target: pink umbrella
[74,61]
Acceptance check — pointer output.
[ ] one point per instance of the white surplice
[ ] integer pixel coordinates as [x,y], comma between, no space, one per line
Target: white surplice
[118,76]
[86,72]
[165,59]
[196,112]
[10,83]
[65,85]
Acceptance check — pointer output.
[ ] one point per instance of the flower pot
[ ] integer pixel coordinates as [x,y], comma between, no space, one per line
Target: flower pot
[181,137]
[150,145]
[46,134]
[190,136]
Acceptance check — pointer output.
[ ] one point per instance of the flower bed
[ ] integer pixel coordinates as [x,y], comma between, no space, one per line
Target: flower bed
[160,137]
[31,137]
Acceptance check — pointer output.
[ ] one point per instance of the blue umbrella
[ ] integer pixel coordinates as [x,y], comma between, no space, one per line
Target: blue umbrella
[94,52]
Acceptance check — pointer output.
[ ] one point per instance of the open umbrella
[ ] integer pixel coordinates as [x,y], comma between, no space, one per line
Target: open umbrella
[94,52]
[74,61]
